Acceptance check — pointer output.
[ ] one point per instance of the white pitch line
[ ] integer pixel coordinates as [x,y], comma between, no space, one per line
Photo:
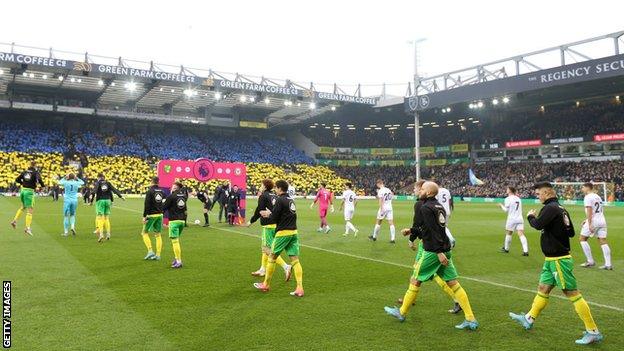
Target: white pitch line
[478,280]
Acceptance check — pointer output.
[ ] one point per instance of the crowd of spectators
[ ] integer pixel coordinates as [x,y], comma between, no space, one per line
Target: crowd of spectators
[492,127]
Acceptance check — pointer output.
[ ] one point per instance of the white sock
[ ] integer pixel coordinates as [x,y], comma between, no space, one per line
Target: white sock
[507,241]
[606,251]
[352,227]
[525,243]
[392,232]
[347,228]
[376,230]
[587,251]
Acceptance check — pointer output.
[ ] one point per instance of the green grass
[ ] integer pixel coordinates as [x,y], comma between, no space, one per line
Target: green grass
[76,294]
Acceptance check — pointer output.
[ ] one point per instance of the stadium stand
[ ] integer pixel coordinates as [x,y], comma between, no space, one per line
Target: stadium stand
[492,126]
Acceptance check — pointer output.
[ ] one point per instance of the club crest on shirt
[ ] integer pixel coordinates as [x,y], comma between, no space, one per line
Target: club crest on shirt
[158,197]
[441,218]
[181,203]
[27,176]
[104,187]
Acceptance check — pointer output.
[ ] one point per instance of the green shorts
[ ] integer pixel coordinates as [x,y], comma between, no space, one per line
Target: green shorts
[420,251]
[103,207]
[268,234]
[175,228]
[289,244]
[27,197]
[558,271]
[153,224]
[428,266]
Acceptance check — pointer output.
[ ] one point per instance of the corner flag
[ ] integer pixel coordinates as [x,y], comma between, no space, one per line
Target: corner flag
[473,178]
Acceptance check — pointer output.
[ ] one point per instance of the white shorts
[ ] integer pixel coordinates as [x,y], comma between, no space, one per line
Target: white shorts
[387,214]
[514,226]
[348,214]
[599,232]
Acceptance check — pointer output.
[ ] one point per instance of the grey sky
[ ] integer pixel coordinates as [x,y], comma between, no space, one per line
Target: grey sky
[321,41]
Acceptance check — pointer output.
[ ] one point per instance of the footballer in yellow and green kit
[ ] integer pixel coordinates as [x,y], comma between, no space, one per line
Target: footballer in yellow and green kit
[175,206]
[153,219]
[267,200]
[28,180]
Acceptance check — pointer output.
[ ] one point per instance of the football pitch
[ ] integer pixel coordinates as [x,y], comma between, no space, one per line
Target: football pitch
[75,294]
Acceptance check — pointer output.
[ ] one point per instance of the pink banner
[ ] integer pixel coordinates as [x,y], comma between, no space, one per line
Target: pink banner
[204,170]
[609,137]
[523,143]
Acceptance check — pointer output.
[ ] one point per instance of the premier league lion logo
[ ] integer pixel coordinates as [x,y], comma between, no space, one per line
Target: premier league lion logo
[203,169]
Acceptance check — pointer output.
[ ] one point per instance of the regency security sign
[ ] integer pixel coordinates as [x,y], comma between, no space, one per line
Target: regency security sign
[605,67]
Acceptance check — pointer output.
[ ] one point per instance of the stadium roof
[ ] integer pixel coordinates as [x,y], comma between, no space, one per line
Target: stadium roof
[108,83]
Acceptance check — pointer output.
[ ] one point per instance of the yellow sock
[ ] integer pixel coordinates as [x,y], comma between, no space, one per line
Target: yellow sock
[281,262]
[270,268]
[147,241]
[158,244]
[99,224]
[107,225]
[409,298]
[18,214]
[28,220]
[539,303]
[296,266]
[462,298]
[177,250]
[265,259]
[582,309]
[447,289]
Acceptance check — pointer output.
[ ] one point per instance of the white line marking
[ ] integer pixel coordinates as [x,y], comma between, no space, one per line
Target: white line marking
[619,309]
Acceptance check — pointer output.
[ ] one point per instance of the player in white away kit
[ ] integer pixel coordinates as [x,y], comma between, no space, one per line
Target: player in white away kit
[446,200]
[594,224]
[385,196]
[515,221]
[348,205]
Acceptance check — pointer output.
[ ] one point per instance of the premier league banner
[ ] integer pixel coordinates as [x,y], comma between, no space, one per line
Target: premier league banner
[574,73]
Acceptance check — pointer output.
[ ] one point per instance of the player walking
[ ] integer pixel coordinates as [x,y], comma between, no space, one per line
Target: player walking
[266,201]
[28,181]
[385,197]
[446,200]
[436,258]
[284,214]
[175,206]
[349,200]
[557,229]
[103,193]
[153,219]
[414,233]
[71,185]
[515,221]
[594,224]
[324,197]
